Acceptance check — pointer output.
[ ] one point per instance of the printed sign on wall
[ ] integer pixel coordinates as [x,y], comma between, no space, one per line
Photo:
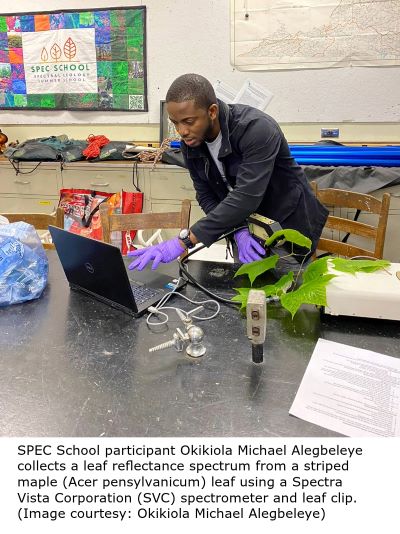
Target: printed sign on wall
[76,60]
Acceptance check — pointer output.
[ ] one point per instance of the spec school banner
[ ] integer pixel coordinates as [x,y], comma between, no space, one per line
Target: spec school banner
[76,60]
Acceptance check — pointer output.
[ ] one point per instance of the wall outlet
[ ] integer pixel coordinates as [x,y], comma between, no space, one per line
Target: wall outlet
[329,132]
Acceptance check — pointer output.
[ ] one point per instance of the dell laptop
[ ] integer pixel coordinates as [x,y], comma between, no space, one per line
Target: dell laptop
[98,269]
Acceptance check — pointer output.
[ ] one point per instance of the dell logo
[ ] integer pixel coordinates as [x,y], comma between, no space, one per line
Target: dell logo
[89,267]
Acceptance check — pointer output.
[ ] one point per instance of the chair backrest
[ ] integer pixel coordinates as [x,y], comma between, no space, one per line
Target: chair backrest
[143,221]
[338,198]
[40,221]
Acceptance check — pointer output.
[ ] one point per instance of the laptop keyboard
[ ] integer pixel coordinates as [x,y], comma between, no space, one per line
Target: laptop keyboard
[143,293]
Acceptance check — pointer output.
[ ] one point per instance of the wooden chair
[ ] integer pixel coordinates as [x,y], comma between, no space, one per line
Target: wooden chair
[143,221]
[40,221]
[338,198]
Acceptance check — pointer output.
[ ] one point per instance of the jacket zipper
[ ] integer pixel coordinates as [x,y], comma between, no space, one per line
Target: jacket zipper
[223,178]
[206,167]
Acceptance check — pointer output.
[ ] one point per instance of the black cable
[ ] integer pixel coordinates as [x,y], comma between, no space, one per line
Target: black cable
[193,281]
[17,171]
[189,278]
[135,174]
[346,237]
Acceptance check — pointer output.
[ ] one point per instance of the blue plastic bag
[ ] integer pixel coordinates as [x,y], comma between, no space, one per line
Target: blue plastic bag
[24,265]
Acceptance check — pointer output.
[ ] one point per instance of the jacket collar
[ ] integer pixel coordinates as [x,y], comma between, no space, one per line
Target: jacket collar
[226,149]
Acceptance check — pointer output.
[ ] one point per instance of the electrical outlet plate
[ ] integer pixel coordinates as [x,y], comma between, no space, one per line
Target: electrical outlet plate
[329,132]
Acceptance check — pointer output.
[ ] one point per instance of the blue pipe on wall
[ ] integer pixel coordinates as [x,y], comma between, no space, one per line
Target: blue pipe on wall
[329,155]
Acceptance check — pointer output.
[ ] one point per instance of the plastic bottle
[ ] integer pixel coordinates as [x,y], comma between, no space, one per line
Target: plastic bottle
[11,255]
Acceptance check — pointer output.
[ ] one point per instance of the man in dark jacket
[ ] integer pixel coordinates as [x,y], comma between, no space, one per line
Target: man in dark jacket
[240,164]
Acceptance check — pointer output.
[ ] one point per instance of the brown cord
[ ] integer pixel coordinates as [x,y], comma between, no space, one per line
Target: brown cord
[155,156]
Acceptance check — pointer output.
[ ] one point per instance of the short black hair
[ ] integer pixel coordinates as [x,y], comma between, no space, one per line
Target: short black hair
[192,87]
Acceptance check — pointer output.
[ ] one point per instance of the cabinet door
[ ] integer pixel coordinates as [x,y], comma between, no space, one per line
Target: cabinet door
[25,204]
[98,177]
[33,179]
[170,183]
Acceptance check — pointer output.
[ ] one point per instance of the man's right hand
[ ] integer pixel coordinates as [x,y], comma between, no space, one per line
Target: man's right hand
[162,253]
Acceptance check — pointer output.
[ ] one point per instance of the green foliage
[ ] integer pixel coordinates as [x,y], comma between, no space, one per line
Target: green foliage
[315,277]
[241,297]
[313,292]
[256,268]
[315,269]
[356,266]
[281,286]
[270,290]
[293,236]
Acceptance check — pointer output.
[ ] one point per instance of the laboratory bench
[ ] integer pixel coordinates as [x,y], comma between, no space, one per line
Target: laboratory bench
[73,366]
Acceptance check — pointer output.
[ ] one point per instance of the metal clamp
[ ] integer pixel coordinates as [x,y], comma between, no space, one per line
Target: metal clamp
[194,336]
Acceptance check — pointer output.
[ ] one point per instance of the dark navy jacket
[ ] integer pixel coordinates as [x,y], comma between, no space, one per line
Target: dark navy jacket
[262,172]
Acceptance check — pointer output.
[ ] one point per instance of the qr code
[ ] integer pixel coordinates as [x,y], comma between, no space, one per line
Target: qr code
[136,102]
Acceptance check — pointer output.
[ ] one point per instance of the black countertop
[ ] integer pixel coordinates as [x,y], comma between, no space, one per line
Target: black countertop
[72,366]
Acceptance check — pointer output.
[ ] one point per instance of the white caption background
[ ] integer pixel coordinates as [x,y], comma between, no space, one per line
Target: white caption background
[311,484]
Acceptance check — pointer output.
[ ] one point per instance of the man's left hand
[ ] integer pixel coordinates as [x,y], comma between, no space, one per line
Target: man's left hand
[249,248]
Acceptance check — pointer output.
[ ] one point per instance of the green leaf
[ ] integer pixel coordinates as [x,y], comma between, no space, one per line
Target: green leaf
[242,290]
[281,286]
[285,283]
[293,236]
[242,296]
[313,292]
[241,299]
[355,266]
[278,289]
[256,268]
[316,269]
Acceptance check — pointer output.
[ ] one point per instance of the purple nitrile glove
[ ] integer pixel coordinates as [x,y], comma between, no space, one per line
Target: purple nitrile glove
[249,248]
[163,252]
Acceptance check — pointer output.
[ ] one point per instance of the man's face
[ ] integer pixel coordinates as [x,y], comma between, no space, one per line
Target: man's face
[193,124]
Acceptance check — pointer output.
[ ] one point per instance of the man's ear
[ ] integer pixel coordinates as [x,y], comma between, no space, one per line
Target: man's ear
[213,111]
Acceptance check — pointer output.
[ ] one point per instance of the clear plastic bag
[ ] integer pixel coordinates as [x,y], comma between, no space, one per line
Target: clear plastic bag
[24,265]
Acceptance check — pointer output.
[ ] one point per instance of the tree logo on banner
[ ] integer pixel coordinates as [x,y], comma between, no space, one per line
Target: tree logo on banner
[55,52]
[69,49]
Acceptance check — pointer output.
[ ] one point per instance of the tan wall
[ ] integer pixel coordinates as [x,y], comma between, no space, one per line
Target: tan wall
[348,132]
[120,132]
[295,132]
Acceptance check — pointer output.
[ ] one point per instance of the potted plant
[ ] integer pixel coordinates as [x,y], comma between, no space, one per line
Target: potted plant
[309,285]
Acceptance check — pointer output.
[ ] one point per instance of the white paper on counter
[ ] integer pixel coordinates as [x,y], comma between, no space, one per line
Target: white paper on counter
[353,391]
